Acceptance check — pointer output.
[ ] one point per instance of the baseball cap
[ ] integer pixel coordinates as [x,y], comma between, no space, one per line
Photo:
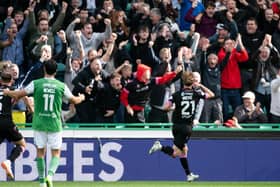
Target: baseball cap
[221,26]
[249,95]
[230,123]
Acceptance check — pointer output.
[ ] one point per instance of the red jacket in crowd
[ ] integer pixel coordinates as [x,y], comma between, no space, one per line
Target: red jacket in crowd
[230,77]
[275,8]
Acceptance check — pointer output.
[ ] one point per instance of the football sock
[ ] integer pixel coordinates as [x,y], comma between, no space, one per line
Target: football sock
[53,166]
[15,153]
[41,169]
[185,165]
[167,150]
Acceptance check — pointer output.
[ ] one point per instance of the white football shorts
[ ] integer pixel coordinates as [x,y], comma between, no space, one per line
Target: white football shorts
[52,139]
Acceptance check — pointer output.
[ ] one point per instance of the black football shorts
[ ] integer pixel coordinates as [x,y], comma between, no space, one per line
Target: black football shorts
[9,131]
[181,134]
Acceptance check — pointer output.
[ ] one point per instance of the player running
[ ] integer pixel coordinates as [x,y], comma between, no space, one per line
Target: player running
[8,129]
[185,106]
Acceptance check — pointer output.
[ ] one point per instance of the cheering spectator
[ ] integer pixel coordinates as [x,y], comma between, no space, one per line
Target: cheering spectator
[136,93]
[267,23]
[107,51]
[205,22]
[108,100]
[155,19]
[141,50]
[248,112]
[211,78]
[239,15]
[275,99]
[72,12]
[43,34]
[252,40]
[139,15]
[72,68]
[37,71]
[164,38]
[229,59]
[14,51]
[89,81]
[169,13]
[50,8]
[125,70]
[19,18]
[89,39]
[106,9]
[266,60]
[161,93]
[223,32]
[119,25]
[186,5]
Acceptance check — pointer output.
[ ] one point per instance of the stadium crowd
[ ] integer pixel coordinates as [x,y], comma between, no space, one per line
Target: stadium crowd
[103,49]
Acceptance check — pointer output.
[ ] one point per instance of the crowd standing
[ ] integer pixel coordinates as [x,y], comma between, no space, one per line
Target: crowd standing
[127,56]
[127,61]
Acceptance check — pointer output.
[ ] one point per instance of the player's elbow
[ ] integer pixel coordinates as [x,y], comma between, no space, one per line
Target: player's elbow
[210,95]
[76,100]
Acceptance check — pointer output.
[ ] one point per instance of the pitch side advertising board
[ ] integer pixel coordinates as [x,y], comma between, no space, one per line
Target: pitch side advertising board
[124,156]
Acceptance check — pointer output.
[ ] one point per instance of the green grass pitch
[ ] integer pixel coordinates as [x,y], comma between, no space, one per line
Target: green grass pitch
[145,184]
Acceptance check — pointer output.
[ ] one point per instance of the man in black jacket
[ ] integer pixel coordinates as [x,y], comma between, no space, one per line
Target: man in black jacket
[211,78]
[266,62]
[89,81]
[108,99]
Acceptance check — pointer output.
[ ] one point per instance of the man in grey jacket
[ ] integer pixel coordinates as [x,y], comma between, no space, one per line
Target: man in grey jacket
[89,39]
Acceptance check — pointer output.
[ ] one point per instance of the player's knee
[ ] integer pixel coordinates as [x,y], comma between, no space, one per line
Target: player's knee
[23,144]
[181,147]
[186,149]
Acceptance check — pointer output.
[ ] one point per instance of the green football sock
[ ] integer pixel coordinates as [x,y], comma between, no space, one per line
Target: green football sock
[41,169]
[53,166]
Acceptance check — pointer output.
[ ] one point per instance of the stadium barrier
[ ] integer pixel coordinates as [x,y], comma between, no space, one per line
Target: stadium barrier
[201,126]
[114,152]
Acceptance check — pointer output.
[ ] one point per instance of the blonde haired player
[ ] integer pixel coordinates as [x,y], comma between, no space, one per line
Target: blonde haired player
[185,104]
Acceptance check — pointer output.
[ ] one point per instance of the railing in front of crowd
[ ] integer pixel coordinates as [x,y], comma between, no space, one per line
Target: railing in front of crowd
[164,126]
[163,130]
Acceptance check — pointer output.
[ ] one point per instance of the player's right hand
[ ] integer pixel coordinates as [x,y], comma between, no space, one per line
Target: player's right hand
[6,91]
[82,96]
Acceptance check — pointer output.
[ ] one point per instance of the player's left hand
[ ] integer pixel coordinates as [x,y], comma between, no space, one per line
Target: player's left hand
[195,122]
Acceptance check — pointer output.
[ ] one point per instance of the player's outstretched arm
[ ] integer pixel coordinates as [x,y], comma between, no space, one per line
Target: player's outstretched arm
[77,99]
[15,94]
